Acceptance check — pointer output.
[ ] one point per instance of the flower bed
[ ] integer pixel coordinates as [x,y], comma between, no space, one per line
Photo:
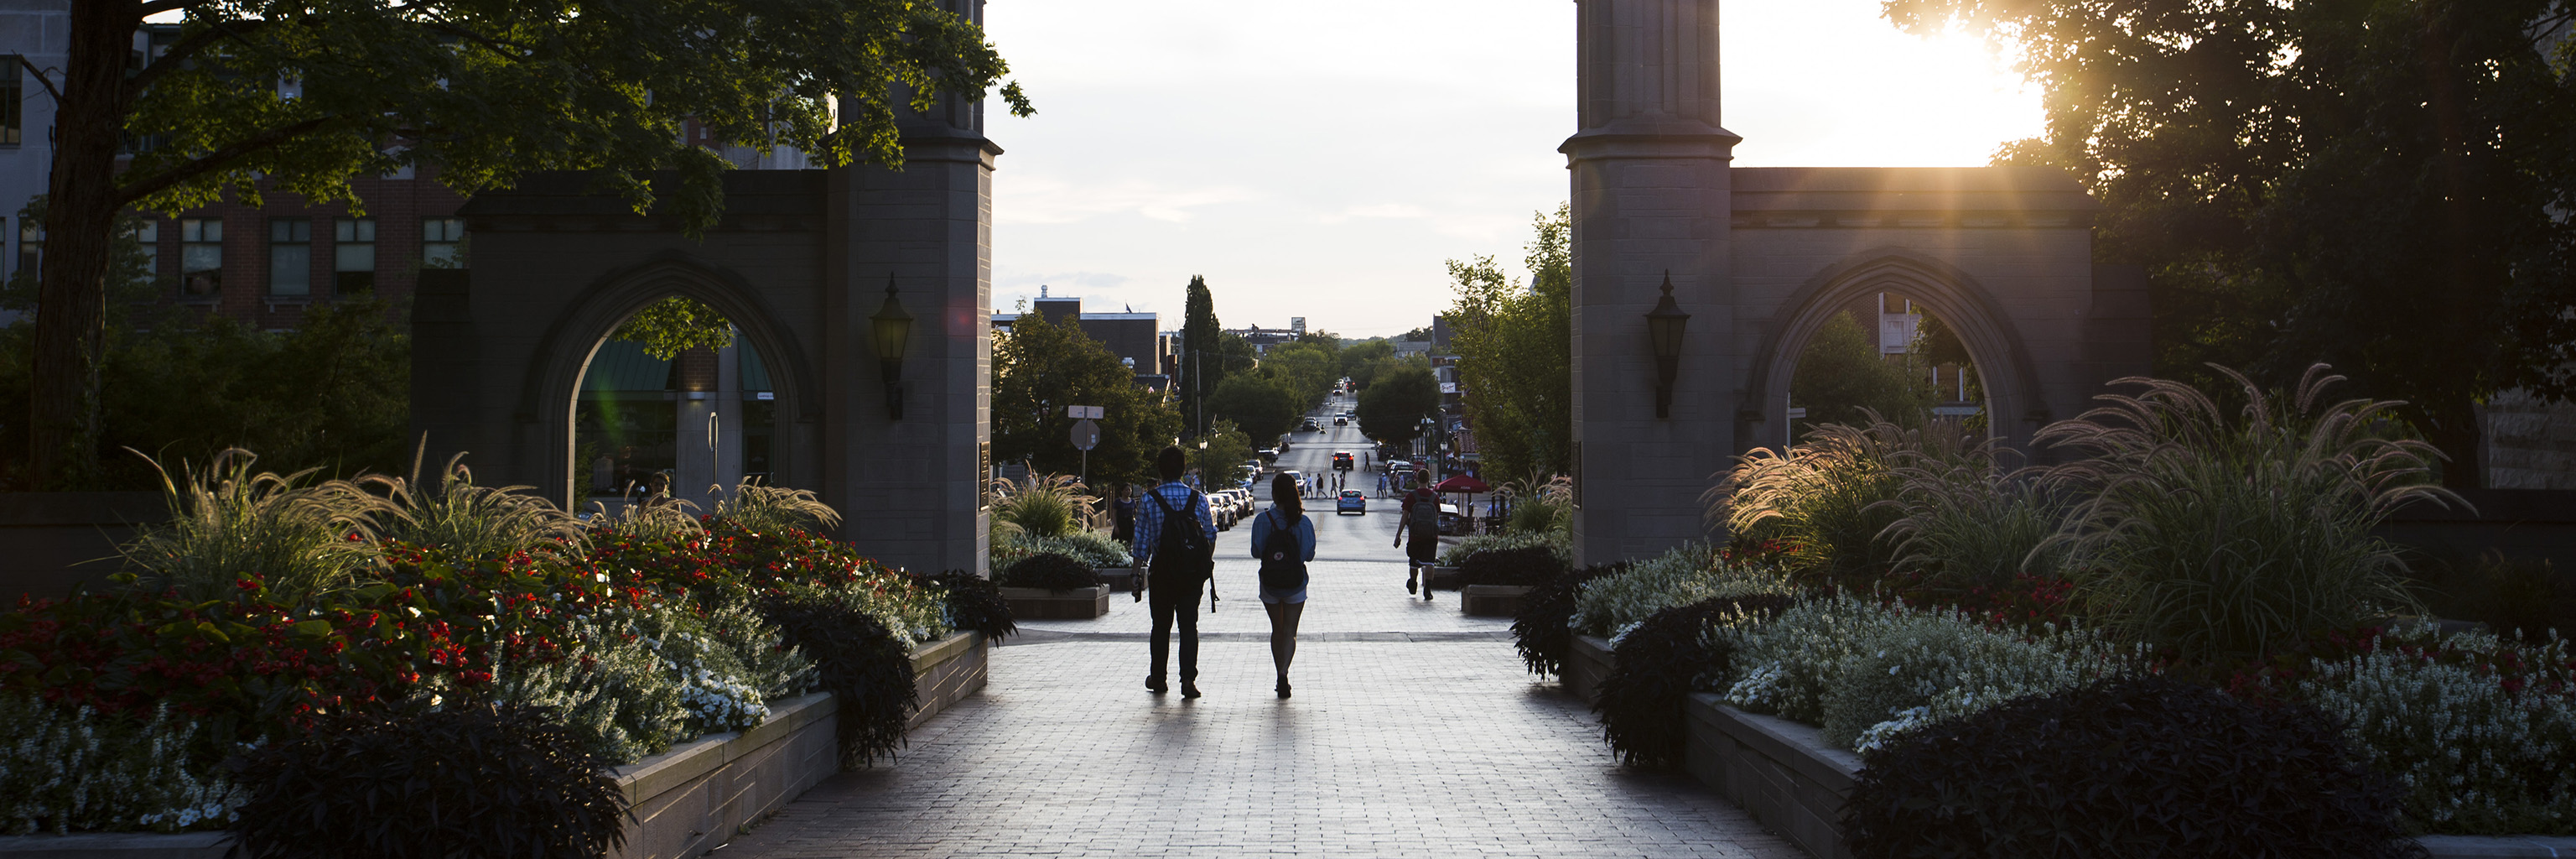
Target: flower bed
[685,801]
[397,621]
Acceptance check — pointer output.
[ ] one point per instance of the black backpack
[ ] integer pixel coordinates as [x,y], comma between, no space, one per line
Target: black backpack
[1426,515]
[1283,557]
[1182,549]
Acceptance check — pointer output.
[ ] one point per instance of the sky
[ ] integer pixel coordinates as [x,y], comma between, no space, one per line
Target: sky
[1324,158]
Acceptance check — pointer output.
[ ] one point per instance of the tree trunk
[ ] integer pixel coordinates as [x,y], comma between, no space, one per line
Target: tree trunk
[71,297]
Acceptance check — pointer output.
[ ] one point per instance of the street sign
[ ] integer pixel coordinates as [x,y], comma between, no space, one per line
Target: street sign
[1086,435]
[1089,413]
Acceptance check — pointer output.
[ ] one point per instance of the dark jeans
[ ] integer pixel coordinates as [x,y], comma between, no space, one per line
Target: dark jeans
[1175,598]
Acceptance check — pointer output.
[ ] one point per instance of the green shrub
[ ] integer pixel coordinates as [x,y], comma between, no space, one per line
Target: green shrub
[1543,630]
[973,603]
[65,769]
[2218,538]
[610,693]
[1523,567]
[1660,663]
[467,780]
[861,660]
[2136,767]
[1689,573]
[1560,543]
[2477,731]
[1090,547]
[1050,571]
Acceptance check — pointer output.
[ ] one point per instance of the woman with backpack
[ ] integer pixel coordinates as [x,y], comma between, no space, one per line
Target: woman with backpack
[1284,540]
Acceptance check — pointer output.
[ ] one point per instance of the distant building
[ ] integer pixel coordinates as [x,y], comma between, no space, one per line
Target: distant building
[1134,337]
[1262,339]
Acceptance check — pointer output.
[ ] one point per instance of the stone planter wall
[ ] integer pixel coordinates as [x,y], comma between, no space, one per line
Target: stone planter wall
[1492,600]
[1586,663]
[1444,578]
[686,801]
[1118,578]
[1043,604]
[1795,784]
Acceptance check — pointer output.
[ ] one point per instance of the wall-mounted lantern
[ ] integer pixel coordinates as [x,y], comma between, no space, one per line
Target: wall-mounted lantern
[1664,331]
[893,328]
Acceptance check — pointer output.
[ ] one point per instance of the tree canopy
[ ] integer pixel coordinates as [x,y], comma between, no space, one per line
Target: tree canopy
[674,325]
[1840,373]
[1039,368]
[298,96]
[2378,184]
[1515,348]
[1391,411]
[1263,407]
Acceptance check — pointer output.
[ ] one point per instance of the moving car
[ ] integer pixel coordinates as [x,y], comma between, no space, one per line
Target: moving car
[1352,501]
[1343,461]
[1341,422]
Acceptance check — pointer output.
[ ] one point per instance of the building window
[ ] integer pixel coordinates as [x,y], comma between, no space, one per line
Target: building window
[146,233]
[290,256]
[353,255]
[31,248]
[13,93]
[442,242]
[201,256]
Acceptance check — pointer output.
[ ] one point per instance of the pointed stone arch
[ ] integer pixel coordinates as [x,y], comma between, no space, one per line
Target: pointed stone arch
[2015,405]
[564,352]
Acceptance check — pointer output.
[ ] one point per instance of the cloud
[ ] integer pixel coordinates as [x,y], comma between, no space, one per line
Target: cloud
[1377,210]
[1043,199]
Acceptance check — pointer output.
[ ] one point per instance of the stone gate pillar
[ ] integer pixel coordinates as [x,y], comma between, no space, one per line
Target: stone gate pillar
[910,489]
[1650,196]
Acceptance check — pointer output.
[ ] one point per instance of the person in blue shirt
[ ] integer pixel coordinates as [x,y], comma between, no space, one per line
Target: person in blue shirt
[1286,516]
[1173,588]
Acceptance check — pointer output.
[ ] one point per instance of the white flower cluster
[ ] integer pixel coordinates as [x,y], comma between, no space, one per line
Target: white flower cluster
[1868,673]
[75,771]
[1555,539]
[1612,605]
[2474,756]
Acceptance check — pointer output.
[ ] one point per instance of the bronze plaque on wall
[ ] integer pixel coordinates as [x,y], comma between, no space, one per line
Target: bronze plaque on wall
[983,475]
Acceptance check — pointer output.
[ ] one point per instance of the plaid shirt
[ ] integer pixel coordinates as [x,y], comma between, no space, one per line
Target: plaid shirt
[1149,518]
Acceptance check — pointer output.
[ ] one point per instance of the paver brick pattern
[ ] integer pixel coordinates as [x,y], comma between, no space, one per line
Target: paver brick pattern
[1414,731]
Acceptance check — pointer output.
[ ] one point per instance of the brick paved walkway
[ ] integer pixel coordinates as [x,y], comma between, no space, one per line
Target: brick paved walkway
[1414,732]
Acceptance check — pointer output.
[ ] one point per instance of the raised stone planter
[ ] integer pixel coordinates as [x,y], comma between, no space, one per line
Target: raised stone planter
[1492,600]
[1118,578]
[1786,777]
[1444,578]
[685,802]
[1043,604]
[1587,661]
[1776,769]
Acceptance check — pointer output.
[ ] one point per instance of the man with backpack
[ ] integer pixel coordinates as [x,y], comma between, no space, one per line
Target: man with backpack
[1421,523]
[1176,541]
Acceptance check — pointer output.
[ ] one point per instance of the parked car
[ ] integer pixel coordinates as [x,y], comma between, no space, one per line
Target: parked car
[1269,455]
[1352,501]
[1243,504]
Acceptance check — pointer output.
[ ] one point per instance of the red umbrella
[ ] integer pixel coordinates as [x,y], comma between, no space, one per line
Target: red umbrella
[1466,483]
[1462,483]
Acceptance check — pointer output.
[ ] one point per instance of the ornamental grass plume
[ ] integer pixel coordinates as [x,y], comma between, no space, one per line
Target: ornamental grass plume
[2215,537]
[1049,505]
[1824,495]
[471,521]
[773,509]
[228,523]
[1966,523]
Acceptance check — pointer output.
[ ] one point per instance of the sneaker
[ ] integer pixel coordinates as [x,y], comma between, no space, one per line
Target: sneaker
[1408,582]
[1155,685]
[1189,689]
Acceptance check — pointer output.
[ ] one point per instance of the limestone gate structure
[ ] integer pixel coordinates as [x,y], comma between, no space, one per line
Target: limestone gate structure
[800,263]
[1758,258]
[1762,258]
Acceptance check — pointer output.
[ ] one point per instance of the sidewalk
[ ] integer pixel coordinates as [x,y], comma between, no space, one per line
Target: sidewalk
[1414,732]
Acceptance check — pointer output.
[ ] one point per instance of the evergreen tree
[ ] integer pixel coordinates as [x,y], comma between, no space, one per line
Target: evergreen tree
[1202,364]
